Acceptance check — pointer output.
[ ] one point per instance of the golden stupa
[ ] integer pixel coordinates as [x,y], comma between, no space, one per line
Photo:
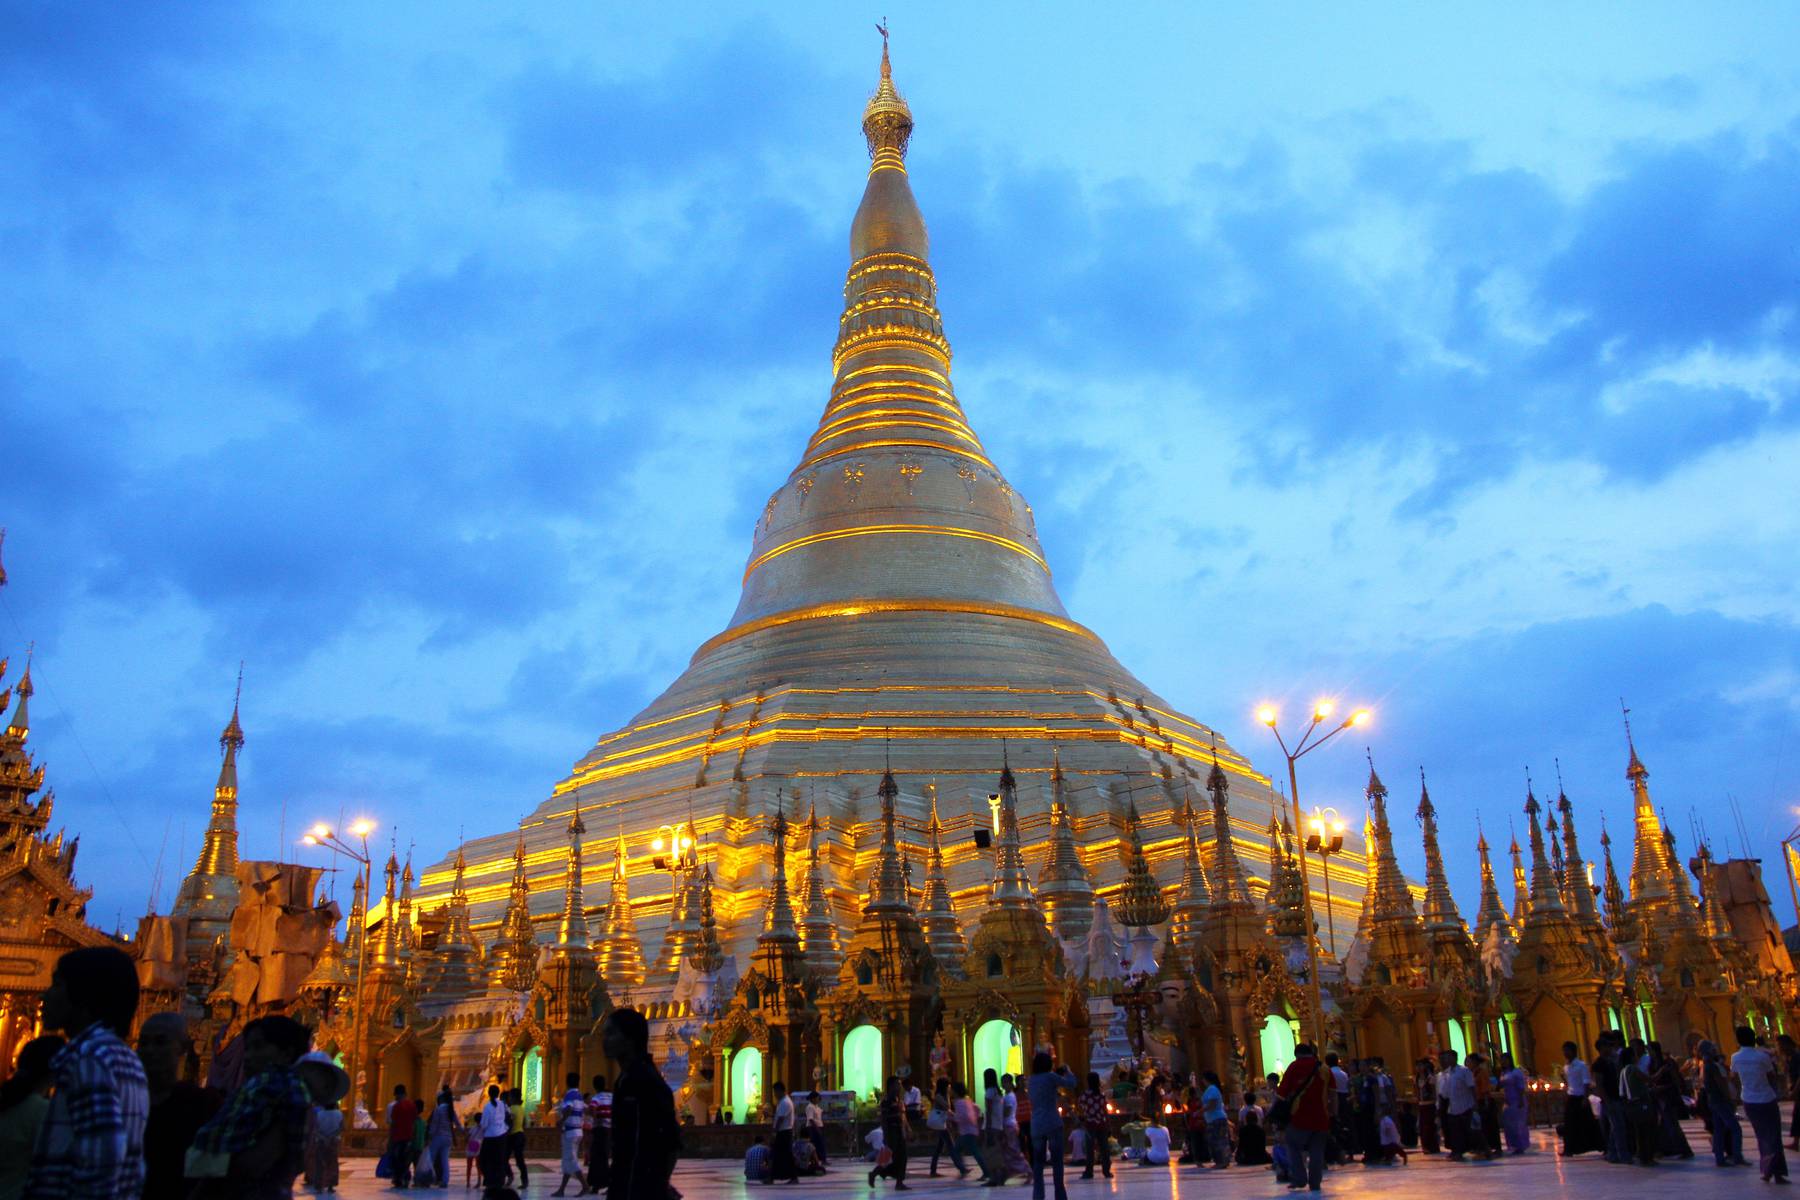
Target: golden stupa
[898,608]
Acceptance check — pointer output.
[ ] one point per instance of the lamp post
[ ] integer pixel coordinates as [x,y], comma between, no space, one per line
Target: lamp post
[324,835]
[1326,839]
[1310,739]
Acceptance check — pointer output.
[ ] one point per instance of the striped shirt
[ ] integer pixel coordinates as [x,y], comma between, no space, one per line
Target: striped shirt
[91,1144]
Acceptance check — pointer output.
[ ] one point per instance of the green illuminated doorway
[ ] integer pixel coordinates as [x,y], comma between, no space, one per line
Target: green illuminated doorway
[746,1082]
[862,1061]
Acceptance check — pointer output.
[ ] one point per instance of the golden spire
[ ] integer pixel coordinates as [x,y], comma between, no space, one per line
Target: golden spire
[943,933]
[818,925]
[1141,903]
[779,926]
[621,953]
[1064,886]
[887,121]
[515,958]
[20,725]
[1521,889]
[219,853]
[1193,898]
[1578,893]
[1650,868]
[1440,906]
[1230,885]
[1491,912]
[887,879]
[456,944]
[387,958]
[573,932]
[1393,899]
[1287,892]
[1011,889]
[708,956]
[1618,918]
[357,927]
[1684,910]
[403,930]
[1546,892]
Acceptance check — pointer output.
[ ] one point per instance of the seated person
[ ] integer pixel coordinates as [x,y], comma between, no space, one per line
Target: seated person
[806,1157]
[1390,1140]
[1278,1152]
[1252,1145]
[1156,1143]
[1078,1151]
[875,1142]
[758,1163]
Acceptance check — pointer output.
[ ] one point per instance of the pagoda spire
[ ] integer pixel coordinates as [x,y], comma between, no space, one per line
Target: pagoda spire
[1011,888]
[1684,909]
[515,957]
[1650,868]
[621,959]
[779,924]
[1393,899]
[572,933]
[1491,912]
[219,853]
[1713,921]
[1141,903]
[708,956]
[387,958]
[887,879]
[1064,885]
[1618,918]
[1193,898]
[456,944]
[1578,893]
[357,926]
[1521,888]
[403,929]
[943,933]
[1440,906]
[1231,887]
[19,725]
[1287,891]
[818,926]
[1546,892]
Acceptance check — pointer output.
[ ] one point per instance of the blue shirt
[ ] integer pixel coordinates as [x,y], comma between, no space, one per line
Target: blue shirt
[756,1164]
[1042,1087]
[1212,1103]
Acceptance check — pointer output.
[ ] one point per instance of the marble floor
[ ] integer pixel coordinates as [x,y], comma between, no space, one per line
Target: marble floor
[1539,1173]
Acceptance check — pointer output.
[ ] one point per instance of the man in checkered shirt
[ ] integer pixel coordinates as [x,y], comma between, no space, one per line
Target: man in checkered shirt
[91,1144]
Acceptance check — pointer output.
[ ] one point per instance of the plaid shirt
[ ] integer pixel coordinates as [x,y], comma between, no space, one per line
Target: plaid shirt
[91,1144]
[274,1095]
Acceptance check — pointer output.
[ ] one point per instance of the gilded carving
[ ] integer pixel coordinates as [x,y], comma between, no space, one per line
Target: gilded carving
[967,475]
[910,470]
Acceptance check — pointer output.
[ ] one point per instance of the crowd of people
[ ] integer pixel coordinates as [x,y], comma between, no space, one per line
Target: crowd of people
[1629,1101]
[86,1116]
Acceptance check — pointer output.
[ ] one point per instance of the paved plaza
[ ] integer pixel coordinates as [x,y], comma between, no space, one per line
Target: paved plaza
[1540,1173]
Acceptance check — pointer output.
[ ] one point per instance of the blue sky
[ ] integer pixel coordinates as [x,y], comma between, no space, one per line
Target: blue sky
[436,360]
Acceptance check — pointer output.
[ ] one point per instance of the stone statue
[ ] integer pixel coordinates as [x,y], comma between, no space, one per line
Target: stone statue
[940,1058]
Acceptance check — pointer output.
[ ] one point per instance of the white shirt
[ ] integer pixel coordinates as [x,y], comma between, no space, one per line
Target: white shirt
[1576,1079]
[574,1110]
[1456,1087]
[784,1114]
[1156,1145]
[1390,1133]
[1009,1111]
[493,1119]
[814,1118]
[1756,1075]
[1340,1081]
[912,1097]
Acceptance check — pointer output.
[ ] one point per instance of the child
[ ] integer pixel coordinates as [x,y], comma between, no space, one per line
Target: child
[472,1150]
[1278,1152]
[325,1128]
[1390,1140]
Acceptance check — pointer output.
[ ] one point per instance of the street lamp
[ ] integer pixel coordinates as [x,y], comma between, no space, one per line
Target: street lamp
[1310,739]
[324,835]
[1325,838]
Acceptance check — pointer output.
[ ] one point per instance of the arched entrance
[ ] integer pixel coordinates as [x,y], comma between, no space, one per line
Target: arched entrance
[746,1082]
[862,1061]
[1277,1044]
[531,1078]
[997,1046]
[1459,1041]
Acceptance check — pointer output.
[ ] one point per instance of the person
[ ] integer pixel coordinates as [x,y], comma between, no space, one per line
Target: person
[895,1131]
[1252,1141]
[1218,1125]
[1012,1147]
[490,1139]
[915,1103]
[1046,1127]
[1515,1118]
[806,1158]
[966,1120]
[1366,1091]
[1605,1069]
[326,1086]
[993,1128]
[472,1149]
[1280,1157]
[1090,1107]
[440,1136]
[257,1139]
[571,1122]
[756,1161]
[1485,1125]
[515,1135]
[783,1164]
[939,1121]
[1790,1064]
[1307,1090]
[1716,1093]
[599,1124]
[178,1107]
[402,1116]
[24,1099]
[1156,1143]
[646,1137]
[814,1129]
[1638,1098]
[1665,1086]
[1341,1143]
[1389,1137]
[91,1140]
[1456,1106]
[1759,1087]
[1580,1132]
[1425,1091]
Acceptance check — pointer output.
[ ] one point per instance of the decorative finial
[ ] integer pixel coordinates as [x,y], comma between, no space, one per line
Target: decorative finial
[887,121]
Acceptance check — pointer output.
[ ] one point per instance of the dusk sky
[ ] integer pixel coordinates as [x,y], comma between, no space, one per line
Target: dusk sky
[436,361]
